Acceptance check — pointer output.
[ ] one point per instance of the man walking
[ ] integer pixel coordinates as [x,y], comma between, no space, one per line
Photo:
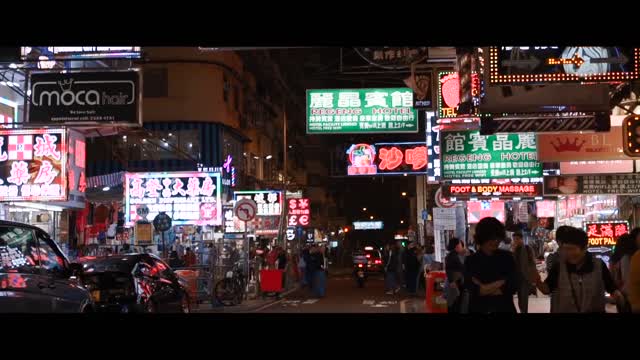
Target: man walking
[525,264]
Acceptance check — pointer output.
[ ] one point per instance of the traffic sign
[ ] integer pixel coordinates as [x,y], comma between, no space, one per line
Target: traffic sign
[245,209]
[142,211]
[162,222]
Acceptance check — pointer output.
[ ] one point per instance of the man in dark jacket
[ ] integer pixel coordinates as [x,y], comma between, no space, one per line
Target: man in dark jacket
[411,268]
[393,269]
[490,273]
[525,264]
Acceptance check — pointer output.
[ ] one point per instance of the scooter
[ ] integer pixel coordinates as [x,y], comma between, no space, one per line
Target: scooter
[359,273]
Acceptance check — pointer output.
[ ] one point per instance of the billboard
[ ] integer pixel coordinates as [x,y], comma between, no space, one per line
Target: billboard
[387,159]
[33,165]
[575,146]
[467,190]
[299,211]
[368,225]
[85,98]
[433,149]
[477,210]
[469,155]
[628,184]
[189,198]
[269,201]
[79,52]
[596,167]
[562,64]
[545,208]
[8,113]
[344,111]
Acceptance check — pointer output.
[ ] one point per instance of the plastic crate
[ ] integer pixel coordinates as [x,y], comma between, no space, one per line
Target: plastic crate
[271,280]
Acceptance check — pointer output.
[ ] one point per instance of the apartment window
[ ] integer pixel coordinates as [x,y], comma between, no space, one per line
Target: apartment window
[226,88]
[155,82]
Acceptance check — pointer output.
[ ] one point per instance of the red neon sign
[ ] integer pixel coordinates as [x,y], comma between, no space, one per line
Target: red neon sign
[606,234]
[299,211]
[393,158]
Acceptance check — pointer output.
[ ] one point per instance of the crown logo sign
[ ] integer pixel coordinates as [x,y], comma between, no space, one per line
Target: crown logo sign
[65,85]
[566,145]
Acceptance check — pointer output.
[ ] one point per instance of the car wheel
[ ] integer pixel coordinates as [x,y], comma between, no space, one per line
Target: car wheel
[185,304]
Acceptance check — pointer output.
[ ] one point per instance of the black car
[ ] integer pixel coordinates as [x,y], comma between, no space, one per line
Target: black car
[35,276]
[134,283]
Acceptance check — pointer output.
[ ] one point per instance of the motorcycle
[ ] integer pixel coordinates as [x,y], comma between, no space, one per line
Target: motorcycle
[359,274]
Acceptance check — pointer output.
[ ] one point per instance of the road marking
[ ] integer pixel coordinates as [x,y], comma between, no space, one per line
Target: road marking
[368,302]
[380,305]
[276,302]
[310,301]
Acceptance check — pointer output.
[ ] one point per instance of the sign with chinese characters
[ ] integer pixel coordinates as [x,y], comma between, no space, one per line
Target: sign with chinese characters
[391,56]
[562,64]
[469,155]
[368,225]
[299,211]
[33,165]
[433,149]
[444,219]
[582,147]
[231,223]
[8,113]
[477,210]
[420,83]
[269,201]
[596,167]
[79,52]
[344,111]
[85,98]
[143,233]
[76,167]
[228,172]
[628,184]
[449,92]
[463,191]
[189,198]
[387,159]
[605,234]
[545,208]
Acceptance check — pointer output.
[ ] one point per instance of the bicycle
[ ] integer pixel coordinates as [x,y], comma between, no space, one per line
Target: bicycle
[230,290]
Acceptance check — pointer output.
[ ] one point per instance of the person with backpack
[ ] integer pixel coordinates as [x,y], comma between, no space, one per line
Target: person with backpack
[579,280]
[525,263]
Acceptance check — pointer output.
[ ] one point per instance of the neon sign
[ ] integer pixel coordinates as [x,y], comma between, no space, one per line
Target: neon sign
[189,198]
[493,190]
[368,225]
[392,158]
[33,164]
[299,212]
[269,201]
[449,92]
[8,113]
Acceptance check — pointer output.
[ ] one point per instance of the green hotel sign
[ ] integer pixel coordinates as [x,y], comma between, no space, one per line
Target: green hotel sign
[469,155]
[345,111]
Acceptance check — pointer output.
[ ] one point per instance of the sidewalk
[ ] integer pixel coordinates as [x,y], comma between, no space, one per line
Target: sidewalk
[246,306]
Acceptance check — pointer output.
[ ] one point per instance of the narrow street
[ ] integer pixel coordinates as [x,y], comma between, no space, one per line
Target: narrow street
[344,296]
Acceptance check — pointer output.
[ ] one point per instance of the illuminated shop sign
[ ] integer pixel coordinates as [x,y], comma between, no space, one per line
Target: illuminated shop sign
[433,149]
[269,201]
[368,225]
[560,64]
[469,155]
[459,191]
[189,198]
[575,146]
[604,235]
[299,211]
[449,92]
[33,165]
[73,98]
[478,210]
[343,111]
[628,184]
[8,112]
[79,52]
[545,209]
[387,159]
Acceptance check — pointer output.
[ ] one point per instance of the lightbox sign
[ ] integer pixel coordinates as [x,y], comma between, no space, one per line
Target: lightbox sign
[189,198]
[469,155]
[449,92]
[387,159]
[368,225]
[33,165]
[478,210]
[605,234]
[79,52]
[344,111]
[299,211]
[559,64]
[269,201]
[433,149]
[8,113]
[79,98]
[460,191]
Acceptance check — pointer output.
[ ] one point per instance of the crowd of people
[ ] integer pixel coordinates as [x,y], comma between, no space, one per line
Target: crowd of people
[312,268]
[406,266]
[486,281]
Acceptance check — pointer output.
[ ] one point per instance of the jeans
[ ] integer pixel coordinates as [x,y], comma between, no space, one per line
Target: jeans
[411,278]
[390,281]
[523,298]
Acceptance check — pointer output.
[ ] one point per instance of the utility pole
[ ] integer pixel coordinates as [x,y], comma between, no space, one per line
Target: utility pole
[283,217]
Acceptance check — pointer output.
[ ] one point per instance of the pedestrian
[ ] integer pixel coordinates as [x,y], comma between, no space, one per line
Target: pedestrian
[174,260]
[579,280]
[505,244]
[189,258]
[620,261]
[454,269]
[281,264]
[490,272]
[302,266]
[318,276]
[525,264]
[634,276]
[392,269]
[411,266]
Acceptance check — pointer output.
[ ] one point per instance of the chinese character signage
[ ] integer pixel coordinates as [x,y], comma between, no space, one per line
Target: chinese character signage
[368,225]
[596,167]
[299,211]
[433,149]
[628,184]
[586,147]
[387,159]
[189,198]
[605,234]
[33,165]
[269,201]
[469,155]
[76,167]
[562,64]
[449,93]
[91,98]
[79,52]
[460,191]
[478,210]
[343,111]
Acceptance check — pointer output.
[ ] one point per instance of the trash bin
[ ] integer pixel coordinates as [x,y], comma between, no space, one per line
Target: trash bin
[191,278]
[271,280]
[435,300]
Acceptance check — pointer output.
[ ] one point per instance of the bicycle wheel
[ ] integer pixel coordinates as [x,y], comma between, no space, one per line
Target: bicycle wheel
[225,292]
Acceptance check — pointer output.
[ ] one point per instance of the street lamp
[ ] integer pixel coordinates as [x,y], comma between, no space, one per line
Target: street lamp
[404,193]
[364,209]
[401,221]
[371,217]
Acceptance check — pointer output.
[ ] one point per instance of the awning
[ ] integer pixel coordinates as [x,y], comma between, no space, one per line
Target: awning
[110,180]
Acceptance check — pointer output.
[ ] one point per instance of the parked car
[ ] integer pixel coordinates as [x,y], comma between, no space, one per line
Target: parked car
[134,283]
[35,276]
